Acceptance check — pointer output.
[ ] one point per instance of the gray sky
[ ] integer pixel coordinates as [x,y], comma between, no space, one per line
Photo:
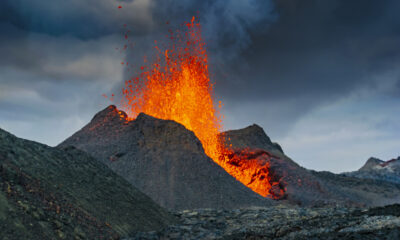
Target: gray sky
[321,77]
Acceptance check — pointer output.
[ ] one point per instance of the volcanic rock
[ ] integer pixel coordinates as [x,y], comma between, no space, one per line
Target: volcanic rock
[283,222]
[162,159]
[251,137]
[52,193]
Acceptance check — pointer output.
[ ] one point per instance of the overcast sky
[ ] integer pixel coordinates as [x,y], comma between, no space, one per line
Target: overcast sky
[321,77]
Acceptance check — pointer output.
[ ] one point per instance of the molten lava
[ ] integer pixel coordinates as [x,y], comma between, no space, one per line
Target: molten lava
[176,86]
[252,168]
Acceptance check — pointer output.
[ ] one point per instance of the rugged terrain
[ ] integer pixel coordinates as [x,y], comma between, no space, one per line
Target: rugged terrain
[65,193]
[167,162]
[283,222]
[52,193]
[162,159]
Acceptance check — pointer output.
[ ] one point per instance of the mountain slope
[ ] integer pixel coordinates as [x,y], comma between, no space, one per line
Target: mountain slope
[301,186]
[162,159]
[49,193]
[307,187]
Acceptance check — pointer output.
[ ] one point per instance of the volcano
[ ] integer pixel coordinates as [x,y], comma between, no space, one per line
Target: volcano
[167,140]
[167,162]
[164,160]
[176,86]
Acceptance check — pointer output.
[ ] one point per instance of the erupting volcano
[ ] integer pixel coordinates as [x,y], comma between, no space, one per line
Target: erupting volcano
[177,86]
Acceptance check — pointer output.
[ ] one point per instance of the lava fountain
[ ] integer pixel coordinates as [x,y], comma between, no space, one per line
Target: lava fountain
[176,86]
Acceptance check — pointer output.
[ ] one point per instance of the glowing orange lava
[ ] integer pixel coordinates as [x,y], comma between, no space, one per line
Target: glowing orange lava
[177,86]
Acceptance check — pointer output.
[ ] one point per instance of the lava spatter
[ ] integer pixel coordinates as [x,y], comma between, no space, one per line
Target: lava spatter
[176,86]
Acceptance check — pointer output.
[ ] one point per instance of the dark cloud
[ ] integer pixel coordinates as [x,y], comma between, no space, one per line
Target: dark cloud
[226,24]
[259,49]
[14,48]
[314,54]
[81,19]
[319,49]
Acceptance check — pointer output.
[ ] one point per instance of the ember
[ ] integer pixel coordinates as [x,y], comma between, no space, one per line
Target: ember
[177,86]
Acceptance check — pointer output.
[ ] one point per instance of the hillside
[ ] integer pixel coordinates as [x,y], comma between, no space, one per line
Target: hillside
[49,193]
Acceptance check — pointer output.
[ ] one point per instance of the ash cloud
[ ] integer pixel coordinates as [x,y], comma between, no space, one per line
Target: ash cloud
[226,24]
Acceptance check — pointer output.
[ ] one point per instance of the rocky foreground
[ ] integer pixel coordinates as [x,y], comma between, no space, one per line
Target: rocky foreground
[49,193]
[283,222]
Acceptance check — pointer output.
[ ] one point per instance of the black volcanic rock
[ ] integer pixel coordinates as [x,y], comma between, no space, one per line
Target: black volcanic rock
[306,187]
[284,223]
[164,160]
[252,136]
[52,193]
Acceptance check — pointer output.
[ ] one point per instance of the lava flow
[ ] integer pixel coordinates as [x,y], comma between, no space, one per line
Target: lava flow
[176,86]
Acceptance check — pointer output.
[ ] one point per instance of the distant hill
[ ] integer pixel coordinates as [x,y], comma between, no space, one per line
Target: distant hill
[377,169]
[53,193]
